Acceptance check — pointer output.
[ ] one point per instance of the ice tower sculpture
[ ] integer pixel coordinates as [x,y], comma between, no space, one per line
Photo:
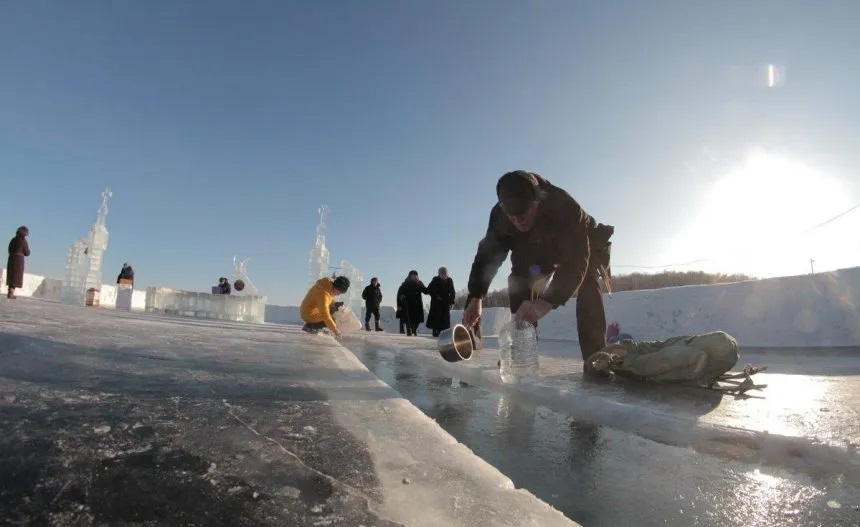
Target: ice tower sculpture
[352,298]
[84,260]
[240,274]
[318,265]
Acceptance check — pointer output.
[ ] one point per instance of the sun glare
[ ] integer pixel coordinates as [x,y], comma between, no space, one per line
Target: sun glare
[757,218]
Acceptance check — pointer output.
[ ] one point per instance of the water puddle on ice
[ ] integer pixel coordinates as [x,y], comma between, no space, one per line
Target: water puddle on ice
[600,476]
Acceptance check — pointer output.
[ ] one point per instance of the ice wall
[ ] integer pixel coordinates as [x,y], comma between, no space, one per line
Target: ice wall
[796,311]
[37,286]
[236,308]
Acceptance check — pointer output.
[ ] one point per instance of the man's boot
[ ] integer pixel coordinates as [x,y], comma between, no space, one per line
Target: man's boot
[378,327]
[367,326]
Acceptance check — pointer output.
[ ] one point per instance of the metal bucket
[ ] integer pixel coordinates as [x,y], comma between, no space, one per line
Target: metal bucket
[456,343]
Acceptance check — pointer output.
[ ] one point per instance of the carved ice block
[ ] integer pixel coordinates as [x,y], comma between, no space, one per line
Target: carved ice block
[237,308]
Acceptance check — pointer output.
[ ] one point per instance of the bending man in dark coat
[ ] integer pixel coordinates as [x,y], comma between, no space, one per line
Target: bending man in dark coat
[551,239]
[441,291]
[18,250]
[410,302]
[372,296]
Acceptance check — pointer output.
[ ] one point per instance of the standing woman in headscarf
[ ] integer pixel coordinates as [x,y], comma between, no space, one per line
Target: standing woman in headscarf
[18,250]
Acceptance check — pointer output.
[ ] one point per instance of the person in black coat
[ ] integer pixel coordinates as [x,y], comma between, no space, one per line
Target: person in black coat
[372,296]
[441,291]
[18,250]
[127,273]
[410,305]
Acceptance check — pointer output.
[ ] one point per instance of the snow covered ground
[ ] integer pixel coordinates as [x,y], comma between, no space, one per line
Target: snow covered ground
[112,417]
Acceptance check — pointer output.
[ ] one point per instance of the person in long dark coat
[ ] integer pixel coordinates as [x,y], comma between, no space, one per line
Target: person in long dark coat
[441,291]
[18,250]
[410,304]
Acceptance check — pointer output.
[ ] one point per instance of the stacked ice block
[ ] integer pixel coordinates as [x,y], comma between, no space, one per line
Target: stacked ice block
[237,308]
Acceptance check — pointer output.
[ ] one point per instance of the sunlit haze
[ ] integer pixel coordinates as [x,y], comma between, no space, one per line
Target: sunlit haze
[763,218]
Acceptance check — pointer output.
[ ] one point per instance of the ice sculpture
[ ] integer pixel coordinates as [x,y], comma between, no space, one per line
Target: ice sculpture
[241,281]
[352,298]
[84,259]
[237,308]
[318,263]
[244,304]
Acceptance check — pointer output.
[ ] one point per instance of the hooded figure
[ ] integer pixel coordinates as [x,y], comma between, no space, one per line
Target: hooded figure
[18,250]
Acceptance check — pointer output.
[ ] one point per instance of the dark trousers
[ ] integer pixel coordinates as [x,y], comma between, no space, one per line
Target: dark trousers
[590,315]
[314,327]
[410,327]
[371,311]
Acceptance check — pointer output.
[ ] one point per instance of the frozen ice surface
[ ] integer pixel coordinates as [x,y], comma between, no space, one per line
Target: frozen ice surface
[217,421]
[807,418]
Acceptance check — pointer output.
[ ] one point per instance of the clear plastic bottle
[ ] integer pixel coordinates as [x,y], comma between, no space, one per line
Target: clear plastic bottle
[518,352]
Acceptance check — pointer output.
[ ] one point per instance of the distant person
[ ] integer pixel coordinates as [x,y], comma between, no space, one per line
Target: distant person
[411,303]
[224,287]
[372,296]
[441,291]
[18,250]
[127,273]
[548,234]
[318,305]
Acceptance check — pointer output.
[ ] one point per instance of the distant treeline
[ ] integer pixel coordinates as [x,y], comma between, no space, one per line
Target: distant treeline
[629,282]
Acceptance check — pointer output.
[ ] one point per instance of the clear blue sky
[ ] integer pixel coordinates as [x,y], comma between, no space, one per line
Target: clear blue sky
[222,126]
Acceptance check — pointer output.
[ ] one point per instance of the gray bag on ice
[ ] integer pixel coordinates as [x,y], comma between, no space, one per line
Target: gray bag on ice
[698,359]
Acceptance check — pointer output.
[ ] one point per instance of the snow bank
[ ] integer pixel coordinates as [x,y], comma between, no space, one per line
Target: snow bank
[45,288]
[796,311]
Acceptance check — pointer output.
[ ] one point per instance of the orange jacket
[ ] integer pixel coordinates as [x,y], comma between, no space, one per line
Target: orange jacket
[316,307]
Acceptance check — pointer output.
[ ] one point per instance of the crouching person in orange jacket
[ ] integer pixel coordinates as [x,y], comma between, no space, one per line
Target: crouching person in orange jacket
[319,305]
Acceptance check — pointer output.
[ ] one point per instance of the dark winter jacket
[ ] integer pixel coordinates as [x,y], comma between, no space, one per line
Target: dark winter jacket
[372,296]
[560,238]
[410,305]
[18,250]
[441,299]
[126,273]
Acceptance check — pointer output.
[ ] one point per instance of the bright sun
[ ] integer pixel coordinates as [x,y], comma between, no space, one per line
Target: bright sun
[756,220]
